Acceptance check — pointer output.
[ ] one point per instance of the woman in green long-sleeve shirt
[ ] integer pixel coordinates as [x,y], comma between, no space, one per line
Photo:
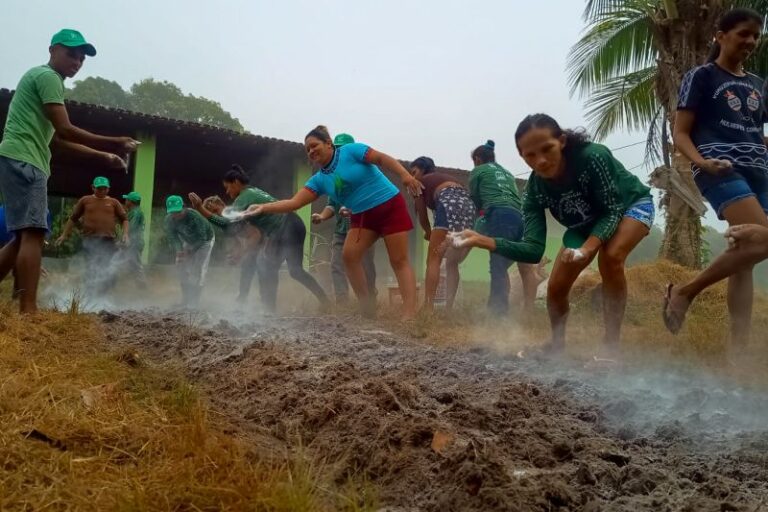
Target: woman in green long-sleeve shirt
[607,211]
[284,236]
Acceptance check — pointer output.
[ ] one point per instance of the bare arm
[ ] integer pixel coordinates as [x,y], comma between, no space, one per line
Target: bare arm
[324,215]
[123,218]
[684,120]
[327,213]
[65,130]
[302,198]
[77,213]
[197,204]
[421,211]
[67,148]
[385,161]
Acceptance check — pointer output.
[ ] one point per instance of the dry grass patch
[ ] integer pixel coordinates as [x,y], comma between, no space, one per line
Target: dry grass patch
[84,427]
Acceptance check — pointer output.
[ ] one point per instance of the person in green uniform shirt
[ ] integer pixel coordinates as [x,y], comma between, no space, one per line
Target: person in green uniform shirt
[244,249]
[494,191]
[607,211]
[37,120]
[191,237]
[284,236]
[132,252]
[338,272]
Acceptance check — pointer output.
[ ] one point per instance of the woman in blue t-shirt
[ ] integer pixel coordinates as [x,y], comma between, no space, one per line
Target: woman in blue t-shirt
[719,127]
[350,175]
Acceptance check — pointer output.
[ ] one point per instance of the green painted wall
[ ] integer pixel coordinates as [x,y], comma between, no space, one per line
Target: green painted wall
[301,175]
[144,182]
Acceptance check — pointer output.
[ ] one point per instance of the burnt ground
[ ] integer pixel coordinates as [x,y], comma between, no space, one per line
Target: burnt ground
[442,429]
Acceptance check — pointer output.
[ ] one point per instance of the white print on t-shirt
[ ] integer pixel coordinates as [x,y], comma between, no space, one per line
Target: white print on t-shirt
[731,84]
[736,126]
[742,155]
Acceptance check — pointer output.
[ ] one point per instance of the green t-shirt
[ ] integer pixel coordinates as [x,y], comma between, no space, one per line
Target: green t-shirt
[28,132]
[192,229]
[342,223]
[492,185]
[267,223]
[590,201]
[136,228]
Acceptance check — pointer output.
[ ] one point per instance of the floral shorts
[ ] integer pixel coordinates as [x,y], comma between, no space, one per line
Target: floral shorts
[454,210]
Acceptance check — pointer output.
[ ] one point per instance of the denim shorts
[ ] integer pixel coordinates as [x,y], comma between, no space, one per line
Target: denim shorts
[738,186]
[454,210]
[25,194]
[643,211]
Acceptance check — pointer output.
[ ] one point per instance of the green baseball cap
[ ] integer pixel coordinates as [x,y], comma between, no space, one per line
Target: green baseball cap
[133,196]
[343,139]
[73,39]
[100,181]
[174,204]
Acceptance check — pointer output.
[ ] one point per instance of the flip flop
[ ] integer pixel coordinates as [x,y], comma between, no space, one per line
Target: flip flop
[672,320]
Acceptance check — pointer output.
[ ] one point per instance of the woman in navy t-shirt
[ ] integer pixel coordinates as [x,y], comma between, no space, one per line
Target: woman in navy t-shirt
[350,175]
[719,127]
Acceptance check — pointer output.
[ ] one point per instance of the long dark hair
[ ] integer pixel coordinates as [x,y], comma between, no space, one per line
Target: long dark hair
[425,164]
[728,22]
[486,153]
[236,173]
[573,138]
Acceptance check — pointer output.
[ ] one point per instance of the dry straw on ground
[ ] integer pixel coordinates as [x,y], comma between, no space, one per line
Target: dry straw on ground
[86,428]
[702,342]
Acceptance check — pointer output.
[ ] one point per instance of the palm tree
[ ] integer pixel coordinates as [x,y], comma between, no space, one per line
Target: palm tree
[629,64]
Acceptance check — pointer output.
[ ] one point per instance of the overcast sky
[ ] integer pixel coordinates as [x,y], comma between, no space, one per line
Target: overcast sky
[433,77]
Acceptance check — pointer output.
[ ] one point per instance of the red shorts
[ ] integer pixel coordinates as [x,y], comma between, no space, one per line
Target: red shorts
[386,219]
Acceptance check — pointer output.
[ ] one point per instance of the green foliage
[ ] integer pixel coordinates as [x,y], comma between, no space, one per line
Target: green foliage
[99,91]
[61,210]
[160,98]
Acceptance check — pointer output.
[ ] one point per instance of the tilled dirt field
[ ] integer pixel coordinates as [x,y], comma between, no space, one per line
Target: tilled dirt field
[440,429]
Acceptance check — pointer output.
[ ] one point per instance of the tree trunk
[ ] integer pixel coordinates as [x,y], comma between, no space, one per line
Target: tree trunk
[683,43]
[682,237]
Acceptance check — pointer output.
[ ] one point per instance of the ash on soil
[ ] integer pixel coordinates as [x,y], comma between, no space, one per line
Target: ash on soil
[439,429]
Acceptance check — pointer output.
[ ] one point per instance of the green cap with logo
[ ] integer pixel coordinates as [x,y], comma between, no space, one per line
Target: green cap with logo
[100,181]
[174,204]
[73,39]
[134,197]
[343,139]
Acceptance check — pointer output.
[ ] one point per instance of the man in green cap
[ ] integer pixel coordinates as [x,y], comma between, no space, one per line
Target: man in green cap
[99,215]
[190,235]
[37,119]
[132,252]
[338,272]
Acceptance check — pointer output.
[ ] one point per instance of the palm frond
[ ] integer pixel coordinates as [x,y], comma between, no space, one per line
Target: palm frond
[626,102]
[617,43]
[598,8]
[654,141]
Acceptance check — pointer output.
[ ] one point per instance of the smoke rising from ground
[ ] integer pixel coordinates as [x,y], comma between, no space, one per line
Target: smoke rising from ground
[637,399]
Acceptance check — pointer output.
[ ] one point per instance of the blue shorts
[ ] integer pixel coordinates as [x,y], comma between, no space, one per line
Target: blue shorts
[25,193]
[643,211]
[735,187]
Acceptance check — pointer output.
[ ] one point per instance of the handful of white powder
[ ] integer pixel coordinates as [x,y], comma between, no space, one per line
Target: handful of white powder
[577,254]
[457,239]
